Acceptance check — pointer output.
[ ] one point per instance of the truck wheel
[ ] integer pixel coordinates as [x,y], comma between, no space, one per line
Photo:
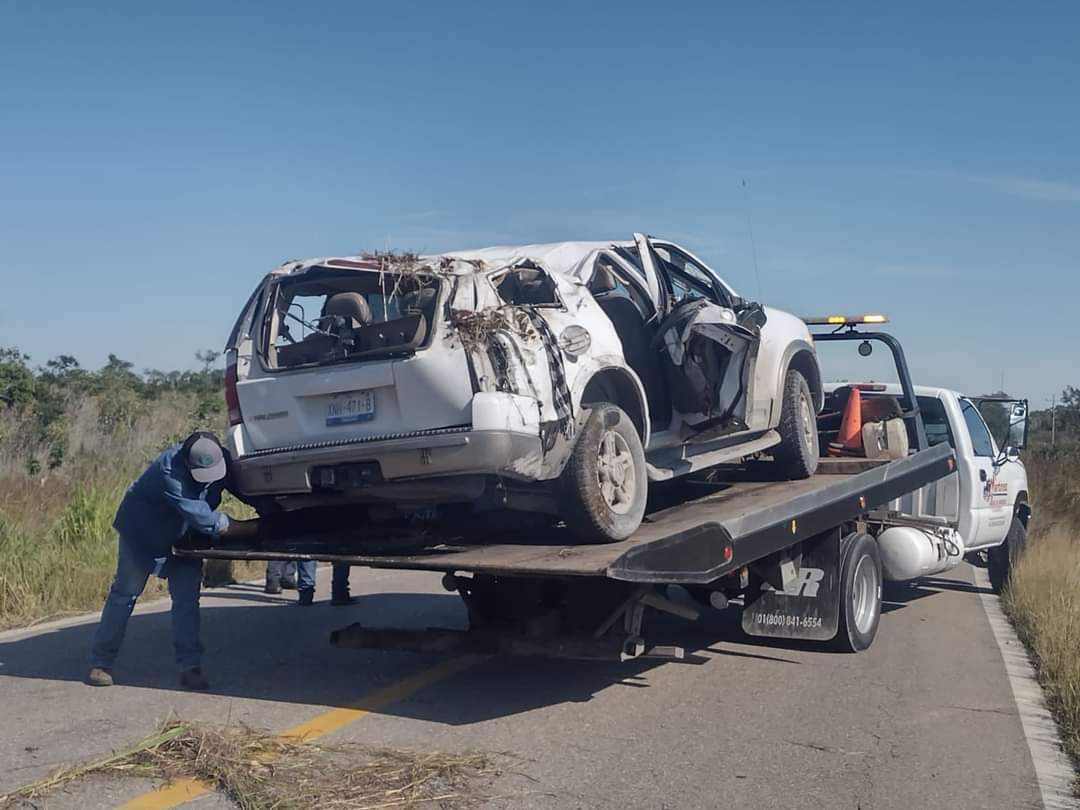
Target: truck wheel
[602,490]
[797,453]
[1001,559]
[860,593]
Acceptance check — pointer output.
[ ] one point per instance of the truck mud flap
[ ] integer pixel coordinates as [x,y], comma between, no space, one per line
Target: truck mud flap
[799,597]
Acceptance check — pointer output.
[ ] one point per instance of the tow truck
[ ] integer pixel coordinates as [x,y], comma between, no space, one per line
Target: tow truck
[804,559]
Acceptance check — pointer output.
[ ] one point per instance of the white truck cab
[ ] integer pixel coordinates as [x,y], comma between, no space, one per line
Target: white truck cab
[986,500]
[982,509]
[989,487]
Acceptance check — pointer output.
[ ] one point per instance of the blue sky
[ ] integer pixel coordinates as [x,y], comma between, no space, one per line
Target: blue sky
[923,159]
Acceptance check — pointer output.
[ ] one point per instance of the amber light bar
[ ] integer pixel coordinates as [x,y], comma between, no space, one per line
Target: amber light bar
[845,320]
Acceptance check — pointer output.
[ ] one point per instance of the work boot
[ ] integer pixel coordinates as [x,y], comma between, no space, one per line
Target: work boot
[339,598]
[194,679]
[306,597]
[273,586]
[288,583]
[99,676]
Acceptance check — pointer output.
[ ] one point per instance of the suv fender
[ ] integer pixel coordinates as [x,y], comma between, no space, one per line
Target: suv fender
[801,356]
[611,383]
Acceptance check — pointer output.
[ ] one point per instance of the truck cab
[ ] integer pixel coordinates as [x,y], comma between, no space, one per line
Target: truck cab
[985,500]
[990,483]
[989,487]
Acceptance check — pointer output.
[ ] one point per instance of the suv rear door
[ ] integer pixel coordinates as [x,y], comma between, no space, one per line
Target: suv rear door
[319,404]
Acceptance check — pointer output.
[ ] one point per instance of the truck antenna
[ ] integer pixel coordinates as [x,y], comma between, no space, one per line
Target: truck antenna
[753,245]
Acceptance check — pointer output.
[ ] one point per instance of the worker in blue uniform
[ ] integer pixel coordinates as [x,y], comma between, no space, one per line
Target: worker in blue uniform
[178,493]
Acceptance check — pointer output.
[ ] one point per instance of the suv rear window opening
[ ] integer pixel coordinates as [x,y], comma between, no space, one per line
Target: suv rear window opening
[327,316]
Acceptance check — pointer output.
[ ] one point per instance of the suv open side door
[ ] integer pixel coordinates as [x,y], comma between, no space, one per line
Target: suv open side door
[708,350]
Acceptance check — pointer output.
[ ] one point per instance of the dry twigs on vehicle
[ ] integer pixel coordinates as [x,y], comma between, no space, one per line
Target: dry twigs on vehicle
[477,327]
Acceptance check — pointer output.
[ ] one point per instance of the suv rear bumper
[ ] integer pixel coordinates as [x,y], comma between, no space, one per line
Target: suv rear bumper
[458,452]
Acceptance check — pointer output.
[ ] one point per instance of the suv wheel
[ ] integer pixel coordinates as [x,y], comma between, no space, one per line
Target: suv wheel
[603,489]
[797,453]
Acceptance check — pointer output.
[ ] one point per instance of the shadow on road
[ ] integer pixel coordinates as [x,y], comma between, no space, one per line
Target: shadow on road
[282,653]
[953,585]
[898,595]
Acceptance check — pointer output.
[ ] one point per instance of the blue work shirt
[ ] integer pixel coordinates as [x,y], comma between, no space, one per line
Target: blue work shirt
[165,502]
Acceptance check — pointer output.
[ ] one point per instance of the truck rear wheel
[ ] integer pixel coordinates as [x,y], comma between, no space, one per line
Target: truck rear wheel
[1001,559]
[603,489]
[797,453]
[860,593]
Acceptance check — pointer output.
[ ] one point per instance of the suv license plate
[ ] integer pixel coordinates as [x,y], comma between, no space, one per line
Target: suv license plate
[349,408]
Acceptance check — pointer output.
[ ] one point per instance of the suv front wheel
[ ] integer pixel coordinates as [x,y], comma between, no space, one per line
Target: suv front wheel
[797,453]
[603,489]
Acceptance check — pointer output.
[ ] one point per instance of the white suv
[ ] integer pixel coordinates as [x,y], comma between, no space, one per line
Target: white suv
[558,378]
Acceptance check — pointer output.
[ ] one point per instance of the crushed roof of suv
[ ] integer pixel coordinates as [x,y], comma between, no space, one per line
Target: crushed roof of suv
[556,257]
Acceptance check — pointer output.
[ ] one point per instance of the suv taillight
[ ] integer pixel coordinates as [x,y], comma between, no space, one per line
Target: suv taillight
[232,401]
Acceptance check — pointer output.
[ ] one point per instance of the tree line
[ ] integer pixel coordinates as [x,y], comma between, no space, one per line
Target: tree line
[39,399]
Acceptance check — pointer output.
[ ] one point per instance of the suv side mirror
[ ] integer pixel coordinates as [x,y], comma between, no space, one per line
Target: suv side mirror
[1012,454]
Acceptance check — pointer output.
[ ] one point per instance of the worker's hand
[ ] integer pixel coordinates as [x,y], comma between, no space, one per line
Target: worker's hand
[241,529]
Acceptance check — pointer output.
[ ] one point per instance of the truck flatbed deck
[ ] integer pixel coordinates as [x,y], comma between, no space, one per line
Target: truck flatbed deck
[695,532]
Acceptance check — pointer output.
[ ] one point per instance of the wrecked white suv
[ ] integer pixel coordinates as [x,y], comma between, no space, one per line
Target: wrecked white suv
[558,378]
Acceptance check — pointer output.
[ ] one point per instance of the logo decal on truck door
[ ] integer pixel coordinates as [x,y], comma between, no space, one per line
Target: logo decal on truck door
[996,493]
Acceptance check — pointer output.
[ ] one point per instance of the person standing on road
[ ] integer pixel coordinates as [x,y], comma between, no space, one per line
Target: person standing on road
[280,575]
[303,583]
[177,493]
[339,585]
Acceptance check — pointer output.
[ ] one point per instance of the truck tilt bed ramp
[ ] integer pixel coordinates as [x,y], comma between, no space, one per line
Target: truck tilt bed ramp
[695,531]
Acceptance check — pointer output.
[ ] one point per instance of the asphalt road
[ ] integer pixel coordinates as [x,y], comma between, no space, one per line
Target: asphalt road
[925,718]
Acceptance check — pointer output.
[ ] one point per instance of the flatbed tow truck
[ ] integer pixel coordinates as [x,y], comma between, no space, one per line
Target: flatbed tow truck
[802,557]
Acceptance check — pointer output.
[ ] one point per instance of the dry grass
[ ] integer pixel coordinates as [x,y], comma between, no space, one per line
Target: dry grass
[1043,597]
[57,544]
[260,771]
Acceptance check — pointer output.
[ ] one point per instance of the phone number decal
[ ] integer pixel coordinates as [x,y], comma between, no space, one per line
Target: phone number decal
[785,620]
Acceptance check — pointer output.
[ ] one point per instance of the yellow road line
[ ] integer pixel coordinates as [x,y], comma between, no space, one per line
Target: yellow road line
[184,790]
[172,795]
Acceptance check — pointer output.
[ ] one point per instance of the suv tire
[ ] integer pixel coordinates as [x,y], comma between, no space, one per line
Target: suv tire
[604,486]
[797,453]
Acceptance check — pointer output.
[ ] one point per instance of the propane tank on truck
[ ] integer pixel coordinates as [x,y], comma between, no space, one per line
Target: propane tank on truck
[908,552]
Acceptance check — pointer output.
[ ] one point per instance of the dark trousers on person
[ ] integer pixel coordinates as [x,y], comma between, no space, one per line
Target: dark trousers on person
[339,580]
[277,570]
[134,565]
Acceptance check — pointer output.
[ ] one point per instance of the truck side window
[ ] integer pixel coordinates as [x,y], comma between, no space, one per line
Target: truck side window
[935,421]
[980,436]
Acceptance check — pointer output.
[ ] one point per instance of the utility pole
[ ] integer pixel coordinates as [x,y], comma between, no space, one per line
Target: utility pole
[1053,420]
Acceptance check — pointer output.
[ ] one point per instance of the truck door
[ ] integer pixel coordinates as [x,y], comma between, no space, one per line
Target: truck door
[985,495]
